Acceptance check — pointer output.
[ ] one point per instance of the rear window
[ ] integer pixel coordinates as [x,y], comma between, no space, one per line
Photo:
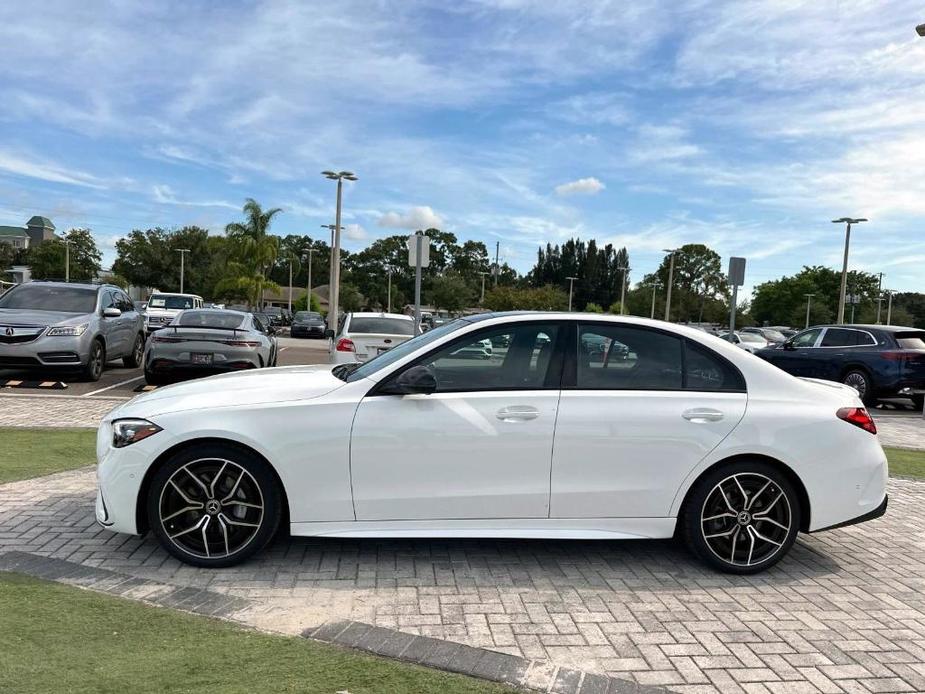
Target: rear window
[209,319]
[752,337]
[38,297]
[307,315]
[911,340]
[386,326]
[171,302]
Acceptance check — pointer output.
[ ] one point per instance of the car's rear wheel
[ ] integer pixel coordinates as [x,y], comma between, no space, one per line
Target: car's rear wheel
[214,505]
[93,369]
[133,359]
[918,402]
[741,518]
[860,381]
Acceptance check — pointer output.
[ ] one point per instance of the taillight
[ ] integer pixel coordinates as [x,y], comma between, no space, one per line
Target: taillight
[895,356]
[238,343]
[345,345]
[859,417]
[163,338]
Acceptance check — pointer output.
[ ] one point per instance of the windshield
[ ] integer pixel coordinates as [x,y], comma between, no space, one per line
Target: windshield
[307,315]
[38,297]
[170,301]
[387,326]
[384,359]
[209,319]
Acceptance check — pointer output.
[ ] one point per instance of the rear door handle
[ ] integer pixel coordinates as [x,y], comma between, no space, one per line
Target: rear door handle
[517,413]
[702,414]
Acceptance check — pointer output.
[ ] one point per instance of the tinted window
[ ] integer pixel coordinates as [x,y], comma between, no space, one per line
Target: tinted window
[386,326]
[170,301]
[807,338]
[752,338]
[503,358]
[618,357]
[209,319]
[39,297]
[258,324]
[911,340]
[705,370]
[125,303]
[839,337]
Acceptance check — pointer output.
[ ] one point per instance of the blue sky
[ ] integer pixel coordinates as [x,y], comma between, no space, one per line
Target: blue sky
[745,125]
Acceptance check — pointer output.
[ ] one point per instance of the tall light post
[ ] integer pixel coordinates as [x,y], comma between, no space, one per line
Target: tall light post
[809,302]
[482,297]
[334,290]
[67,256]
[623,291]
[671,254]
[182,252]
[330,228]
[571,284]
[847,221]
[889,307]
[308,282]
[879,298]
[389,300]
[290,284]
[654,290]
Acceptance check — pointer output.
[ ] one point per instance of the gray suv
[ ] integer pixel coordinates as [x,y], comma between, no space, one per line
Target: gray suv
[47,325]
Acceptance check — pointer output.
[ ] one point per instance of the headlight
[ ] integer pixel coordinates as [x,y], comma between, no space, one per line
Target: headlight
[67,330]
[125,432]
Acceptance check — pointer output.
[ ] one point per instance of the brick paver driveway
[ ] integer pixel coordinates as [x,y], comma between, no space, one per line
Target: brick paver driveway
[845,612]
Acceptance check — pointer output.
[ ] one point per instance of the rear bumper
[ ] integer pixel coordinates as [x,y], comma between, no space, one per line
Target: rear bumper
[863,518]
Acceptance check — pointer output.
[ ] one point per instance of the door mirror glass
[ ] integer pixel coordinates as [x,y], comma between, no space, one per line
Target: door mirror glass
[111,312]
[417,379]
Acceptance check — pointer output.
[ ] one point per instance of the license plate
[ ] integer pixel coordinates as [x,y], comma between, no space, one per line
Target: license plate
[380,350]
[201,358]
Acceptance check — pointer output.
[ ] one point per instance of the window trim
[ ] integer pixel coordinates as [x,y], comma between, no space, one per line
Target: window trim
[825,332]
[550,381]
[570,380]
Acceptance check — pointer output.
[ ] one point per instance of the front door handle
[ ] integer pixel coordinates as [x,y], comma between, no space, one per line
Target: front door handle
[517,413]
[701,415]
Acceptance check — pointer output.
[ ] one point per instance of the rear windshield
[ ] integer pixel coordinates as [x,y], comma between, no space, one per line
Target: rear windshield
[38,297]
[387,326]
[751,337]
[209,319]
[168,301]
[911,340]
[307,315]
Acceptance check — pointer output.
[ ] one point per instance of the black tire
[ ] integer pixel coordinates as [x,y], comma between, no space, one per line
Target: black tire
[133,359]
[918,401]
[704,502]
[93,369]
[155,379]
[216,467]
[861,381]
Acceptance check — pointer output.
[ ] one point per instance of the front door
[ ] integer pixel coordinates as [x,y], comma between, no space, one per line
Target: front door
[799,354]
[478,447]
[639,410]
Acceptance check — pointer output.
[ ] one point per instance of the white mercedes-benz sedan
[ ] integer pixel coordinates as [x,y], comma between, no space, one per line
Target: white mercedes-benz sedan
[577,426]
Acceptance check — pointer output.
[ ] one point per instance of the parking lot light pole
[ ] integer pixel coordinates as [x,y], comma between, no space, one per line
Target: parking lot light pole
[482,296]
[67,256]
[308,282]
[671,254]
[889,307]
[334,289]
[389,300]
[847,221]
[182,252]
[809,302]
[654,290]
[571,285]
[623,291]
[330,227]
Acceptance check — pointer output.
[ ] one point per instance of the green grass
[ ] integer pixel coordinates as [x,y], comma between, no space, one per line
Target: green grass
[906,463]
[28,453]
[56,638]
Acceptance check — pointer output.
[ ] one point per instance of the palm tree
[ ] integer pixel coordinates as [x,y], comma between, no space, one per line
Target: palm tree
[255,251]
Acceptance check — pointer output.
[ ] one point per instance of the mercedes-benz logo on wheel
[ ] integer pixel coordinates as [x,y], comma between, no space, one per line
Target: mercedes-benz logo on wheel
[213,507]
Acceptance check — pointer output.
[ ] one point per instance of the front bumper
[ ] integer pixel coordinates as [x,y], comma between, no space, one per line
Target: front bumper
[47,352]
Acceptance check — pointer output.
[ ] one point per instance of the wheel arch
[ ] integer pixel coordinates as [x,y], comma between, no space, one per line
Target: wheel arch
[141,516]
[792,477]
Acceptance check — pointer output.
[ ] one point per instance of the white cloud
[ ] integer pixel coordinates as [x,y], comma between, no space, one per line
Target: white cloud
[31,167]
[355,232]
[421,217]
[583,186]
[164,194]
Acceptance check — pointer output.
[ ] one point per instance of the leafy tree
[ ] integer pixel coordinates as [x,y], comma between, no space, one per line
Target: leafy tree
[47,259]
[598,270]
[508,298]
[614,308]
[150,259]
[350,297]
[591,307]
[699,289]
[783,301]
[299,304]
[7,253]
[254,251]
[450,292]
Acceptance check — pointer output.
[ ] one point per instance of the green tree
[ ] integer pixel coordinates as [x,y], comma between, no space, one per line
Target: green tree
[783,301]
[254,251]
[508,298]
[350,298]
[699,289]
[299,304]
[591,307]
[47,259]
[599,270]
[450,292]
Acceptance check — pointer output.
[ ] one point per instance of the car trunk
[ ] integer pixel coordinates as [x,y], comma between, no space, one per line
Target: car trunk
[369,345]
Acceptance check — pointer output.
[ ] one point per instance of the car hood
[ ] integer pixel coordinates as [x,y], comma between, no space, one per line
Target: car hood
[255,387]
[24,316]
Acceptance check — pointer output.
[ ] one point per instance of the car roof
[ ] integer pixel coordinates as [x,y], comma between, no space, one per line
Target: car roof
[373,314]
[77,285]
[867,326]
[210,311]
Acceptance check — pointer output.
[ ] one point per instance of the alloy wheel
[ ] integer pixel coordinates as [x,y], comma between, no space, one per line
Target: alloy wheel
[211,508]
[746,519]
[96,361]
[857,381]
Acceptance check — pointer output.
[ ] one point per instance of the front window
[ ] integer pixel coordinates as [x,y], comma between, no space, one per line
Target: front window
[209,319]
[381,326]
[807,338]
[170,301]
[39,297]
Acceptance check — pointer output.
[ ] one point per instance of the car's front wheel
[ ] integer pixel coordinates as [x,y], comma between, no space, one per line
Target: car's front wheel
[741,518]
[214,505]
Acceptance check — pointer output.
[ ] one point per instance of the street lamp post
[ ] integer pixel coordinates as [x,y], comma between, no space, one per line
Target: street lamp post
[67,256]
[809,302]
[889,307]
[308,283]
[182,252]
[389,300]
[847,221]
[482,297]
[571,284]
[334,289]
[623,291]
[671,254]
[654,290]
[290,285]
[330,228]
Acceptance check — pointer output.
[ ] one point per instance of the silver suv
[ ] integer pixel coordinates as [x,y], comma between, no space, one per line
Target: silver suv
[74,326]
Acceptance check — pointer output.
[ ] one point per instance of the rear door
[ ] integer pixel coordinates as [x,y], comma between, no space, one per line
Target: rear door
[635,419]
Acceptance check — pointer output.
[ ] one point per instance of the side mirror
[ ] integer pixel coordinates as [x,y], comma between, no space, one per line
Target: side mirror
[271,330]
[788,345]
[111,312]
[329,334]
[417,379]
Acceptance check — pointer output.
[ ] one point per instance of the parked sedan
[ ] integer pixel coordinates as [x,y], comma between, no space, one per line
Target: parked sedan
[750,342]
[876,360]
[363,336]
[544,443]
[307,324]
[208,341]
[773,336]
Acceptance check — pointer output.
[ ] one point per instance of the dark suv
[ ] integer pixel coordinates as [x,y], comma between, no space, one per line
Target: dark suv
[876,360]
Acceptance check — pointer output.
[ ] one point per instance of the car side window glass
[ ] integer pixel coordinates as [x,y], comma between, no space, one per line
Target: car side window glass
[839,337]
[807,338]
[109,300]
[865,339]
[125,303]
[619,357]
[704,370]
[513,357]
[258,325]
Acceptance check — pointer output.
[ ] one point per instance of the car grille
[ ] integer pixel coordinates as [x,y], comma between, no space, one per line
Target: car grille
[160,320]
[19,334]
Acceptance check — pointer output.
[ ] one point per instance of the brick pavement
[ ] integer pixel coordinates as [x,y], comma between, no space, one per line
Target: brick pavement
[845,612]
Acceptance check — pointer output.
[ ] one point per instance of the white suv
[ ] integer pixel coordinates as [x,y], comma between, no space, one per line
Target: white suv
[163,308]
[362,336]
